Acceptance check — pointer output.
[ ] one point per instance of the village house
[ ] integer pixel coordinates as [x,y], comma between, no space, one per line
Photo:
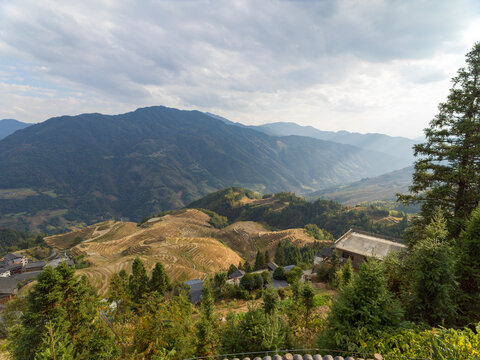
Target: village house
[235,277]
[34,266]
[13,260]
[358,245]
[8,289]
[271,266]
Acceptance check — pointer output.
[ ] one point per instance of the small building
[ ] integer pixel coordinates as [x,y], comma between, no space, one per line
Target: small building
[196,289]
[272,266]
[358,245]
[235,277]
[58,260]
[8,289]
[34,266]
[14,259]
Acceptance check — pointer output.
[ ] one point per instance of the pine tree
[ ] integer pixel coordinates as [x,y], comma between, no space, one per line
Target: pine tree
[259,261]
[362,309]
[469,269]
[231,269]
[270,301]
[447,171]
[308,296]
[67,303]
[433,272]
[138,281]
[207,336]
[160,282]
[54,345]
[247,267]
[267,258]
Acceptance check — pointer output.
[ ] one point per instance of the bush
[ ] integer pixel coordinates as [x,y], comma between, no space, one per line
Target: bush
[279,273]
[294,275]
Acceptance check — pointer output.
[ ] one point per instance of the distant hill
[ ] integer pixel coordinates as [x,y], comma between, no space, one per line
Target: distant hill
[383,188]
[81,169]
[9,126]
[286,211]
[400,147]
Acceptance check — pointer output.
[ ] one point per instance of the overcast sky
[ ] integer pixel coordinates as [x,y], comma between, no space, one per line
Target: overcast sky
[366,66]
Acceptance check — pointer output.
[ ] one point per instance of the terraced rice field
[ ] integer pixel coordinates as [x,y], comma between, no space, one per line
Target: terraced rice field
[247,237]
[183,243]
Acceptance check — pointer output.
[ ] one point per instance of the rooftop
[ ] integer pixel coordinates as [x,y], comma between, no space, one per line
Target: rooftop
[35,264]
[290,356]
[236,274]
[367,245]
[13,256]
[8,285]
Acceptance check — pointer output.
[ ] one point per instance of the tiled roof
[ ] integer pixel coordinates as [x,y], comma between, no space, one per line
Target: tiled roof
[272,266]
[35,264]
[367,245]
[309,357]
[236,274]
[8,285]
[13,256]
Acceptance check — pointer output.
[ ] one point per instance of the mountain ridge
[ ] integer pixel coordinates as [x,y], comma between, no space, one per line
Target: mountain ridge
[93,166]
[9,126]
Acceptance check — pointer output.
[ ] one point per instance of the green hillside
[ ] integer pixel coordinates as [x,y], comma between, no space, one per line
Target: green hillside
[86,168]
[286,210]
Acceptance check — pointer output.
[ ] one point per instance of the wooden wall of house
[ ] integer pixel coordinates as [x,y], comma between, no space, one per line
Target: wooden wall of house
[355,258]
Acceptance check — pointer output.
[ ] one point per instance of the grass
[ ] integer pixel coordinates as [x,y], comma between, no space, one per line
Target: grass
[20,193]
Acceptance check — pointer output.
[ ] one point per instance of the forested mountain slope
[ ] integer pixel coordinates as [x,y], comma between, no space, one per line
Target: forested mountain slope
[88,167]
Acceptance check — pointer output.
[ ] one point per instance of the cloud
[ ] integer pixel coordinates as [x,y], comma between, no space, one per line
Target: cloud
[254,61]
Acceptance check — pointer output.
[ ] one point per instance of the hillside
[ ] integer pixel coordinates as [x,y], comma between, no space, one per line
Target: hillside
[397,146]
[287,211]
[184,241]
[380,188]
[73,170]
[9,126]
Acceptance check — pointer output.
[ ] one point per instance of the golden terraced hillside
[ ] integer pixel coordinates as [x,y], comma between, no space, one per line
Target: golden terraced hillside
[186,244]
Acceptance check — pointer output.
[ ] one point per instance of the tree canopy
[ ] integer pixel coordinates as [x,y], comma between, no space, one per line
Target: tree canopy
[447,168]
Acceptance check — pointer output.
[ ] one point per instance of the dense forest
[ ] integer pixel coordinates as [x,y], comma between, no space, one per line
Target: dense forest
[12,240]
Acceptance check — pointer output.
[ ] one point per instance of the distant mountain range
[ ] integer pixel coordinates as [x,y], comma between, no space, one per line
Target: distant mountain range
[87,167]
[383,188]
[399,147]
[9,126]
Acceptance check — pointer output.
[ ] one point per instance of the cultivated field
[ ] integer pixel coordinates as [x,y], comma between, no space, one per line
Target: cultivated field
[185,243]
[247,237]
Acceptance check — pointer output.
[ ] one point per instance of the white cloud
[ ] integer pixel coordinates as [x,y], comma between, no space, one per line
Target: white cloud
[356,65]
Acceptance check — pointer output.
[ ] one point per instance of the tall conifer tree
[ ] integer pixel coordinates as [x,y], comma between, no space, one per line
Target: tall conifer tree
[447,169]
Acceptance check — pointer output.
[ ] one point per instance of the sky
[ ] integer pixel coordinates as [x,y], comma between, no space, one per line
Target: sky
[363,66]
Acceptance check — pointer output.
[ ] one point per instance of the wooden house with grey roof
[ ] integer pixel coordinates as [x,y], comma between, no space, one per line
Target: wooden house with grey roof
[358,245]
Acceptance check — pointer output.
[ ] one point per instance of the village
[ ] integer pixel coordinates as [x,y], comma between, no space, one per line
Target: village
[17,270]
[355,245]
